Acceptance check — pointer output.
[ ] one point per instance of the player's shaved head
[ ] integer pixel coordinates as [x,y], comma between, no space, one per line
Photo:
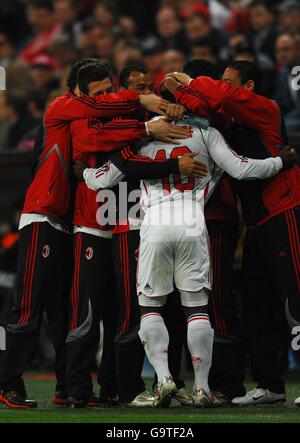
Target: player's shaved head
[136,78]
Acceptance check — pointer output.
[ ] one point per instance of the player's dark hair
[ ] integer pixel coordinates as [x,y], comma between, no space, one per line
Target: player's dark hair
[125,73]
[72,77]
[93,72]
[197,68]
[248,71]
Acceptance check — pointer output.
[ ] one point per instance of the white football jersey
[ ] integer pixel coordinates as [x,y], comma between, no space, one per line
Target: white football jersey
[215,153]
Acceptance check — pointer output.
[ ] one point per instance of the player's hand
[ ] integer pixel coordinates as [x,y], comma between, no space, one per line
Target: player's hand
[180,77]
[288,157]
[165,132]
[189,166]
[175,112]
[78,169]
[170,84]
[154,103]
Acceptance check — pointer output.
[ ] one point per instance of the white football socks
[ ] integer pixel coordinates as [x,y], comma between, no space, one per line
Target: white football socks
[200,336]
[155,338]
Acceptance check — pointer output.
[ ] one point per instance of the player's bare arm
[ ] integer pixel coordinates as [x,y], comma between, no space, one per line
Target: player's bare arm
[154,103]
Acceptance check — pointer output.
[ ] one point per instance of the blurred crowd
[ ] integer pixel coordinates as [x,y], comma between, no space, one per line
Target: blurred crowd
[40,39]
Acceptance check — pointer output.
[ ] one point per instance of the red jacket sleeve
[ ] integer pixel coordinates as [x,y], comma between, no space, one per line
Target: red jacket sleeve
[89,136]
[204,95]
[68,108]
[110,136]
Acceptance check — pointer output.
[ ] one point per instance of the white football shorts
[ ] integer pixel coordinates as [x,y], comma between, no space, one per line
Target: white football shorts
[174,248]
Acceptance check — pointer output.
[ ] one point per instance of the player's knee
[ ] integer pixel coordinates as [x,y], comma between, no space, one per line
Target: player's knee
[194,302]
[151,304]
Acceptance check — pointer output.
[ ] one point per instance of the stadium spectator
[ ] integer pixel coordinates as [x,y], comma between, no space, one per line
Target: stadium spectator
[289,14]
[104,43]
[126,52]
[41,18]
[4,125]
[172,60]
[43,73]
[287,96]
[170,29]
[128,26]
[198,26]
[63,51]
[203,49]
[66,14]
[262,32]
[105,14]
[22,125]
[7,50]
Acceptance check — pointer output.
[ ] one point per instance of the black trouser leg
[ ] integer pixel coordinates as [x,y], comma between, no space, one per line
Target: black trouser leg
[286,256]
[92,272]
[40,262]
[128,344]
[272,283]
[227,370]
[263,311]
[107,377]
[57,315]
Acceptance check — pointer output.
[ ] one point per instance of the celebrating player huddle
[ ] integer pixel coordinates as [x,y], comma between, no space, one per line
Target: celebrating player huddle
[131,219]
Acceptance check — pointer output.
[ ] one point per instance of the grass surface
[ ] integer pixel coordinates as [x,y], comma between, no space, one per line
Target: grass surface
[42,391]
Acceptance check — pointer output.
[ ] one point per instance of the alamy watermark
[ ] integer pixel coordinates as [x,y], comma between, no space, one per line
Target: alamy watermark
[296,340]
[2,339]
[152,208]
[296,80]
[2,79]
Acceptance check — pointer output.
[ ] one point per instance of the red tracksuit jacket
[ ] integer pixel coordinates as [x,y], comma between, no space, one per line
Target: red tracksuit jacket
[49,192]
[258,134]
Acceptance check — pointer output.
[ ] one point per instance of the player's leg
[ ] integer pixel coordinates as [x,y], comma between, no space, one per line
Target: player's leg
[155,282]
[192,276]
[155,338]
[36,283]
[60,264]
[23,323]
[285,262]
[200,337]
[83,336]
[130,383]
[263,320]
[107,378]
[227,371]
[176,324]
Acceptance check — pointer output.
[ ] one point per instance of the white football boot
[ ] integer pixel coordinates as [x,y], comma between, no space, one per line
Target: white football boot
[259,396]
[297,401]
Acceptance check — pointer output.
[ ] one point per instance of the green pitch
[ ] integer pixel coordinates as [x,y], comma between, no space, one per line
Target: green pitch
[42,391]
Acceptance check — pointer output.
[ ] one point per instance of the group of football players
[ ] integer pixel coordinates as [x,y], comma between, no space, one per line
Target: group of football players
[131,217]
